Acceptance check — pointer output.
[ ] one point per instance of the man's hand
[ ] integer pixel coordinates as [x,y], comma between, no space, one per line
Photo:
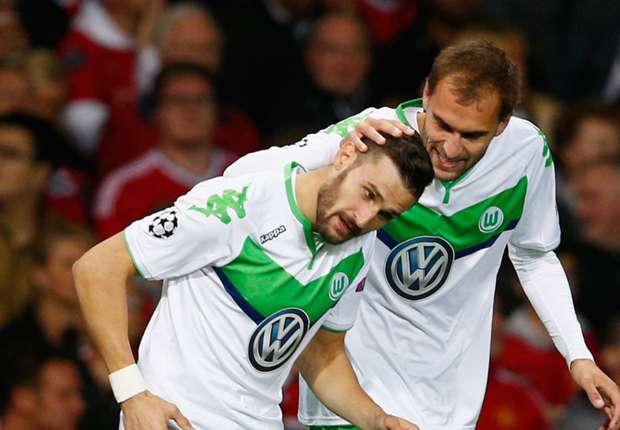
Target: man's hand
[371,127]
[389,422]
[146,411]
[601,390]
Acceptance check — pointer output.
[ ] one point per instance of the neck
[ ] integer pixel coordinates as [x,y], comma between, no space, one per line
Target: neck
[307,187]
[20,215]
[193,158]
[56,318]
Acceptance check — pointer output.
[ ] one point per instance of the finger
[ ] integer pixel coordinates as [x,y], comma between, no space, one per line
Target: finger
[354,138]
[372,133]
[593,394]
[612,409]
[389,126]
[180,419]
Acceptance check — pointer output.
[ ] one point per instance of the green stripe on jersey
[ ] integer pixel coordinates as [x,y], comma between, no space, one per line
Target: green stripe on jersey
[459,229]
[268,287]
[313,239]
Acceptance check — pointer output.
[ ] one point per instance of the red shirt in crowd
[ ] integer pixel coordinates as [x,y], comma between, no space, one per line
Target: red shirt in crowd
[510,404]
[145,185]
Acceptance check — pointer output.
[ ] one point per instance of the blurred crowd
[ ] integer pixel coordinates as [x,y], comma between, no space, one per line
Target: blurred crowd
[110,109]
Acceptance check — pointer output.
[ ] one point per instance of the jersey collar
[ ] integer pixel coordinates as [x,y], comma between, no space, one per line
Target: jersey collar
[313,239]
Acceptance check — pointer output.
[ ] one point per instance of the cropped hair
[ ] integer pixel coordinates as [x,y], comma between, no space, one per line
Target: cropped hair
[410,157]
[475,67]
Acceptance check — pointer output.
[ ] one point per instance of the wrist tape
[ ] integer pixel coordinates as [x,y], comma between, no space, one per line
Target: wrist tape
[126,382]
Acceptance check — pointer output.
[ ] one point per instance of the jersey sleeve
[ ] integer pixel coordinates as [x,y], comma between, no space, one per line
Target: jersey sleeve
[313,151]
[204,227]
[539,228]
[342,316]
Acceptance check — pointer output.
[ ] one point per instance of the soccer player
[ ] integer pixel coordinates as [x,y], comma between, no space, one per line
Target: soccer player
[420,344]
[254,268]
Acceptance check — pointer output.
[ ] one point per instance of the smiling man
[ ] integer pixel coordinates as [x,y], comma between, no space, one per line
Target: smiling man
[254,268]
[420,344]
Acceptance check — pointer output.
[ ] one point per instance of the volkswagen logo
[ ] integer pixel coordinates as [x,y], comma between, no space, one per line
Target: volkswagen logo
[417,268]
[276,338]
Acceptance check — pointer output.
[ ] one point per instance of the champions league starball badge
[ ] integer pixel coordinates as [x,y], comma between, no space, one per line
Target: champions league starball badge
[164,224]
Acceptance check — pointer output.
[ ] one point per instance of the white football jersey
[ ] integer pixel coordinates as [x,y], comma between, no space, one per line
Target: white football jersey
[247,285]
[420,345]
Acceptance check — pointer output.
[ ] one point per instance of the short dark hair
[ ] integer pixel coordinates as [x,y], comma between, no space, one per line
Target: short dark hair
[410,157]
[49,144]
[24,368]
[475,67]
[173,70]
[572,117]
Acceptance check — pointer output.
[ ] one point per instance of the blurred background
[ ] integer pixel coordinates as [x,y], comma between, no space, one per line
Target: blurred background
[110,109]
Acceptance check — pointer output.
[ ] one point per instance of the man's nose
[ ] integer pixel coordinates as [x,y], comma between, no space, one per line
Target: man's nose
[452,146]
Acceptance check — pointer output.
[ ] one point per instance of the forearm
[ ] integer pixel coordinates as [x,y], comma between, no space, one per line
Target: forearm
[546,286]
[100,280]
[331,377]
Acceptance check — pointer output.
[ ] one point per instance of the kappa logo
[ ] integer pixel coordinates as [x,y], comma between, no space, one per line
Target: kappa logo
[340,282]
[491,219]
[277,338]
[272,234]
[417,268]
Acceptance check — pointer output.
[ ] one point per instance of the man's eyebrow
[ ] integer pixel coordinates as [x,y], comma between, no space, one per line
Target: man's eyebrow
[450,127]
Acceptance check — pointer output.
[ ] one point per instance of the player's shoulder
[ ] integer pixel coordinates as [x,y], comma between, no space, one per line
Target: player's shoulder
[526,142]
[253,188]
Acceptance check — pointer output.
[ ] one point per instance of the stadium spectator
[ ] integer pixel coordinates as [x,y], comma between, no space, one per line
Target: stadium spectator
[52,320]
[187,32]
[15,90]
[596,188]
[43,393]
[338,58]
[26,145]
[48,83]
[264,41]
[511,403]
[100,51]
[185,115]
[385,20]
[14,38]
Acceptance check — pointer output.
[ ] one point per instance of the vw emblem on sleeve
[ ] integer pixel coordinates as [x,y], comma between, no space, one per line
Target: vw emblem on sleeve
[417,268]
[276,338]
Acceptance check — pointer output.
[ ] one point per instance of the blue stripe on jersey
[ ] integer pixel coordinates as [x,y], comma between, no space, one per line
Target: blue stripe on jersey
[487,244]
[238,298]
[386,238]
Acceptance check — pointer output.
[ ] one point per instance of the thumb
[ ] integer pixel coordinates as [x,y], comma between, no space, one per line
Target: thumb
[180,419]
[593,394]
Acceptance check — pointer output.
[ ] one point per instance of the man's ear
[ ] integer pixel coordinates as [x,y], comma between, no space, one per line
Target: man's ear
[502,125]
[425,95]
[346,155]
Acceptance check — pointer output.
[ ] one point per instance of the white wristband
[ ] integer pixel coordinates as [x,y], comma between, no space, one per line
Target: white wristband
[126,382]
